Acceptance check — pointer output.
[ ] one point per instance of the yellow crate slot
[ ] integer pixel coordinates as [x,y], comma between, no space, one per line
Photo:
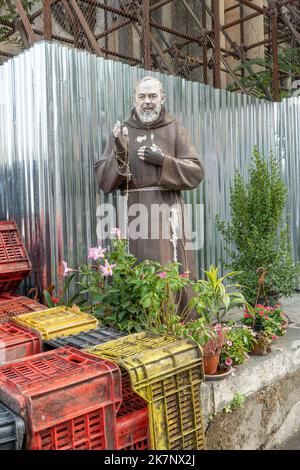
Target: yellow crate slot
[167,372]
[57,322]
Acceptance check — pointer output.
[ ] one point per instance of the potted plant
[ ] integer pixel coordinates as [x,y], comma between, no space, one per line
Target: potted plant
[263,343]
[214,299]
[238,342]
[212,348]
[265,318]
[256,236]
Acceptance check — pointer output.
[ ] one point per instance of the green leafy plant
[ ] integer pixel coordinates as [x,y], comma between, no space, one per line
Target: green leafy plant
[212,345]
[215,299]
[7,19]
[256,236]
[238,342]
[125,294]
[238,401]
[272,319]
[261,77]
[64,297]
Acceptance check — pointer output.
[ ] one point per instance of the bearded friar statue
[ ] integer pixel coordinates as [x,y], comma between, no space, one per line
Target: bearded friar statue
[151,159]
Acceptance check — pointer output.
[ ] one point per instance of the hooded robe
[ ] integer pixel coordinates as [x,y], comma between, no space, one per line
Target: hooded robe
[181,170]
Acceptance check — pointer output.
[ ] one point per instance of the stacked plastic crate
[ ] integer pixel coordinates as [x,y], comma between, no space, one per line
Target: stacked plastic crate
[67,398]
[166,372]
[132,421]
[14,261]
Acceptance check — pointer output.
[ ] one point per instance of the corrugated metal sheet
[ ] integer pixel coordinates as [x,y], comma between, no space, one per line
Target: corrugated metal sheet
[57,108]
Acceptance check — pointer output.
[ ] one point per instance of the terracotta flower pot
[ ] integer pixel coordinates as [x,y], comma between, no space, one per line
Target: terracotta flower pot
[211,364]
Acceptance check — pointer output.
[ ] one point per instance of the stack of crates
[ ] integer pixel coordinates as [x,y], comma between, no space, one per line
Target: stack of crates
[15,341]
[68,399]
[14,261]
[166,372]
[132,421]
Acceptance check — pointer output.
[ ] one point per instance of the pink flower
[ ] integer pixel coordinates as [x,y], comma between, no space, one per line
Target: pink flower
[117,232]
[228,361]
[55,300]
[184,275]
[266,317]
[229,343]
[261,312]
[259,306]
[96,253]
[66,269]
[274,337]
[162,275]
[269,309]
[107,269]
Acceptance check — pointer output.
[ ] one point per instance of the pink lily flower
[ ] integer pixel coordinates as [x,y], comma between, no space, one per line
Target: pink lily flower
[96,253]
[117,232]
[107,269]
[66,269]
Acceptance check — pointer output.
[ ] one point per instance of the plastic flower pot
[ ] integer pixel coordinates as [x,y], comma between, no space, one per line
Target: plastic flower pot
[211,364]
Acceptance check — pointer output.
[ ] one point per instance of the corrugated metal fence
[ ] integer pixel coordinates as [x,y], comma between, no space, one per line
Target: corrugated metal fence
[57,108]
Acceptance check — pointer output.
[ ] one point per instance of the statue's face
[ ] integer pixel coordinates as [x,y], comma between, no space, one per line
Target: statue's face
[148,100]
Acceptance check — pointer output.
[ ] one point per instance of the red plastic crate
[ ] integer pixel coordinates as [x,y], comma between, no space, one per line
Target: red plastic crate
[132,420]
[85,432]
[53,391]
[17,342]
[14,261]
[12,305]
[7,297]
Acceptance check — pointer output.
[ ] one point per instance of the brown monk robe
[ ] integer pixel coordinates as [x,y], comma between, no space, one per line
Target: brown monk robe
[181,170]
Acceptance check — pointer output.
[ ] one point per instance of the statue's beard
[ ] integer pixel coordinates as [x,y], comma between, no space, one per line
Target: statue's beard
[148,117]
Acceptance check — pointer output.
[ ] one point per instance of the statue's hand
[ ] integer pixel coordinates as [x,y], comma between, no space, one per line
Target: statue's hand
[153,155]
[120,138]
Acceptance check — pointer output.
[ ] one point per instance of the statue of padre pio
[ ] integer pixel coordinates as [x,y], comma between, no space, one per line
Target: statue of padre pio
[150,159]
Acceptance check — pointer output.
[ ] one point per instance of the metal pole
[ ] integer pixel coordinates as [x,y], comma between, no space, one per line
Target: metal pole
[86,27]
[146,34]
[204,52]
[217,51]
[276,94]
[25,21]
[47,20]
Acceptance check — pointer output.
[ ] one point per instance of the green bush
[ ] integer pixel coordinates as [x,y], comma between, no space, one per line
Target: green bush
[256,236]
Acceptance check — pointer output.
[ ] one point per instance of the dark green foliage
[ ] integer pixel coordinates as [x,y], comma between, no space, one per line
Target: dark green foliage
[256,236]
[262,76]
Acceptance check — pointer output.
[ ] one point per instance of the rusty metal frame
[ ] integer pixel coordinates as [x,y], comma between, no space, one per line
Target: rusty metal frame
[163,47]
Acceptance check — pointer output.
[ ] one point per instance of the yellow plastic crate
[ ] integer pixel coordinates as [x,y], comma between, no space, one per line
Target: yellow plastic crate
[167,373]
[57,322]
